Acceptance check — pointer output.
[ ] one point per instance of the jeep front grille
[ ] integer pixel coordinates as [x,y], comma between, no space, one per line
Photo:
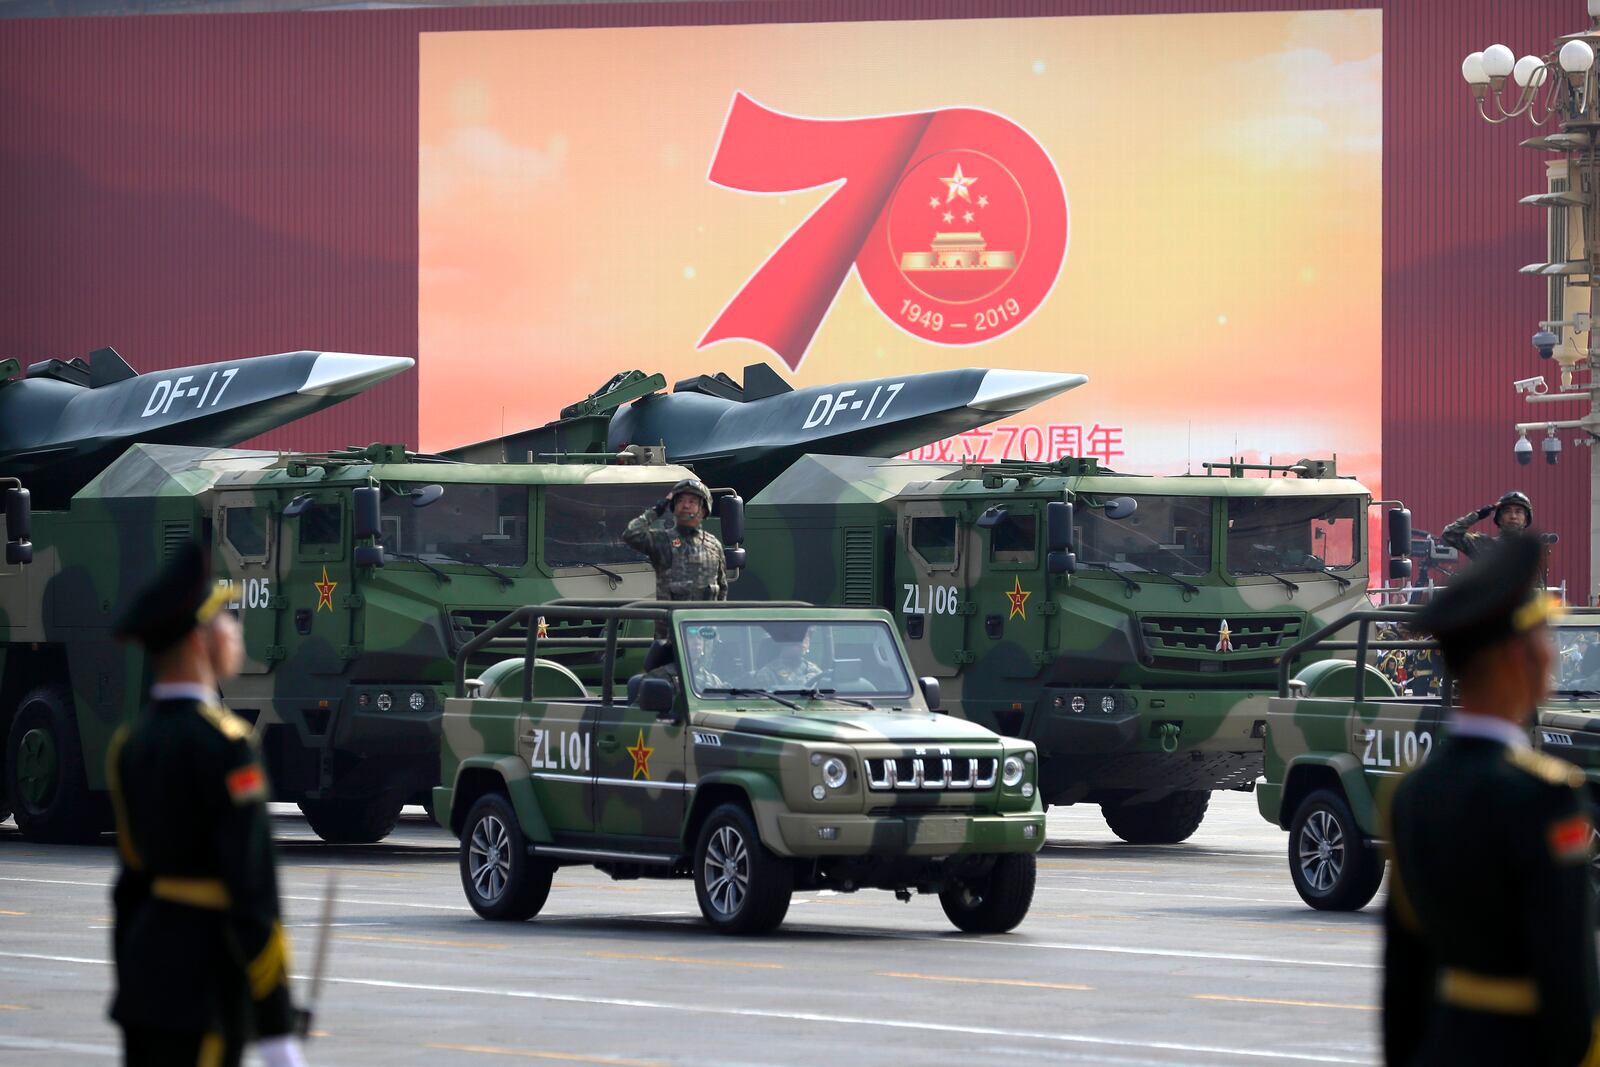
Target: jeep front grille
[889,774]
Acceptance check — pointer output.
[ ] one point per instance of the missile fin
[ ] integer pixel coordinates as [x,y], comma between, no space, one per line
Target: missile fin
[107,367]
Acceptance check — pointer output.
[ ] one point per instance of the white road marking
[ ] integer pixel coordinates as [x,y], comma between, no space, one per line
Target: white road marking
[33,1044]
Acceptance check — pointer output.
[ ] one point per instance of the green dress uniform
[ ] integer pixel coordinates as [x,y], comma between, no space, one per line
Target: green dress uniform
[1490,950]
[201,958]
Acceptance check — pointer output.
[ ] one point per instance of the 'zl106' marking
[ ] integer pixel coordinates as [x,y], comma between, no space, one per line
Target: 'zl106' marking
[940,600]
[1395,748]
[563,751]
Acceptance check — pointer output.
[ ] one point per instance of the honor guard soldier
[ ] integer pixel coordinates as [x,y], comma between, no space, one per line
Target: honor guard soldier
[201,958]
[1490,951]
[689,562]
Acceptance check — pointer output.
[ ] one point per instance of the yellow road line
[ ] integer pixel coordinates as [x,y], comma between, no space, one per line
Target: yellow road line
[534,1054]
[418,941]
[1371,931]
[13,913]
[1072,867]
[361,872]
[686,959]
[1287,1003]
[13,1007]
[985,981]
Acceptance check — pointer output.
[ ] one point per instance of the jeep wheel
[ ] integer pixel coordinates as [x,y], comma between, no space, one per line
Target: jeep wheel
[1333,867]
[501,880]
[354,822]
[742,887]
[1162,822]
[45,781]
[997,901]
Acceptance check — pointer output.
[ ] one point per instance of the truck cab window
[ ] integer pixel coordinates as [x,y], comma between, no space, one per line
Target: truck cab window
[246,531]
[933,537]
[1015,539]
[321,524]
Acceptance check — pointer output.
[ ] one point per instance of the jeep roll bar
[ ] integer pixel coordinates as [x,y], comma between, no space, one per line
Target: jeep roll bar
[1362,620]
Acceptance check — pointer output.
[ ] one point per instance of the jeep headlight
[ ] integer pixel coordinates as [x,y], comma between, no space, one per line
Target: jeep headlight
[834,772]
[1012,773]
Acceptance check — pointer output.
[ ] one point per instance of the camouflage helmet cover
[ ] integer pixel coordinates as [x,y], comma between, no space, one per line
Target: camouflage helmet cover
[694,486]
[1513,497]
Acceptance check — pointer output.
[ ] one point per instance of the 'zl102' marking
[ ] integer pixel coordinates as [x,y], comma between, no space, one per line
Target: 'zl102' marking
[560,751]
[1395,748]
[930,600]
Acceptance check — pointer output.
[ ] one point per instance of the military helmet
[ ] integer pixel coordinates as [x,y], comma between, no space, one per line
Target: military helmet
[695,486]
[1513,497]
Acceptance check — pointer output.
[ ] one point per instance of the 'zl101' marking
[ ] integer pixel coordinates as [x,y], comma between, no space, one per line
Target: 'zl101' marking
[930,600]
[1395,748]
[563,751]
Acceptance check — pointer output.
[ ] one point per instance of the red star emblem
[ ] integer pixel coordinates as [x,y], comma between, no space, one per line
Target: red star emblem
[325,590]
[543,629]
[641,757]
[1019,600]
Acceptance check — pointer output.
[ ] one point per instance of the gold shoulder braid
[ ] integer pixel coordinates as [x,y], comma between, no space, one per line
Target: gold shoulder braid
[227,723]
[1545,768]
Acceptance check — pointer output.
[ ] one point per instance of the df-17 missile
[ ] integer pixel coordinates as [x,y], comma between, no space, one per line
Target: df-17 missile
[64,420]
[744,435]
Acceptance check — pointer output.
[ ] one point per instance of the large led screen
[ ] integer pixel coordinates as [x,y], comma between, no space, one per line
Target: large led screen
[1187,209]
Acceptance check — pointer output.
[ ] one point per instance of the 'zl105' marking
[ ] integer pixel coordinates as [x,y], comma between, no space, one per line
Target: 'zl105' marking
[561,751]
[1395,748]
[940,600]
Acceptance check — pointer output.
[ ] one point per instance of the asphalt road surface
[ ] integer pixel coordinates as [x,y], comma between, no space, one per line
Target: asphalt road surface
[1199,953]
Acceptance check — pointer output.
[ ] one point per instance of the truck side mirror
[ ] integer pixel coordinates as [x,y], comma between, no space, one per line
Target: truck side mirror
[930,691]
[1399,568]
[19,526]
[1058,522]
[730,513]
[1061,563]
[656,695]
[370,556]
[733,558]
[368,522]
[1399,532]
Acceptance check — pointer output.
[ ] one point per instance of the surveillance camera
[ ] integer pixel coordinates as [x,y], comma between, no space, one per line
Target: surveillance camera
[1552,449]
[1531,385]
[1546,342]
[1524,450]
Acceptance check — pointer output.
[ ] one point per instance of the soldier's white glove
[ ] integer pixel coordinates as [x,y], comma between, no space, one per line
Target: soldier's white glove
[281,1051]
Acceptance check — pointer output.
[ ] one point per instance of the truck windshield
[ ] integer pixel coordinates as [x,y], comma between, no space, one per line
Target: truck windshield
[1164,533]
[469,524]
[1577,661]
[583,523]
[1313,533]
[854,659]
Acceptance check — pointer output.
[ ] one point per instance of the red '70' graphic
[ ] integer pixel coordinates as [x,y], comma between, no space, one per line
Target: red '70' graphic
[955,220]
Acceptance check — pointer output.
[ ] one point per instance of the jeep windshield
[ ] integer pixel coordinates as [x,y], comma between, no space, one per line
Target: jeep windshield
[1576,668]
[476,525]
[1276,535]
[814,659]
[1164,535]
[583,523]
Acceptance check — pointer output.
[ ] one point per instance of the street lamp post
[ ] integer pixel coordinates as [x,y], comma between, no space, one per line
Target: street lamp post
[1560,86]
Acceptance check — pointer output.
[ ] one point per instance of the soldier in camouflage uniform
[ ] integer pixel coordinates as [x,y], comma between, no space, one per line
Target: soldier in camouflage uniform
[1513,511]
[689,561]
[1490,953]
[791,669]
[202,962]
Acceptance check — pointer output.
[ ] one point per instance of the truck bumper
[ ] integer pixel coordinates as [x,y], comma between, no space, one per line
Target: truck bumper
[927,834]
[1148,720]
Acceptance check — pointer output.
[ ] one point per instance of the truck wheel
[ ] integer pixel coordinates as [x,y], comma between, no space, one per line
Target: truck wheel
[1333,867]
[1162,822]
[354,822]
[45,781]
[501,880]
[742,887]
[996,902]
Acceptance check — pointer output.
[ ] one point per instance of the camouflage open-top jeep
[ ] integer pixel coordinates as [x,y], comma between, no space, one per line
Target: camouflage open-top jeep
[1337,741]
[801,754]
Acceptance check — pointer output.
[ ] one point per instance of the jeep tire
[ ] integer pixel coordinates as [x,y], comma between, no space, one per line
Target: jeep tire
[996,901]
[1161,822]
[359,821]
[742,887]
[1333,866]
[501,880]
[45,783]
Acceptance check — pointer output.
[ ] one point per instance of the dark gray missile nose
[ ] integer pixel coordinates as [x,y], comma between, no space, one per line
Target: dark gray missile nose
[348,373]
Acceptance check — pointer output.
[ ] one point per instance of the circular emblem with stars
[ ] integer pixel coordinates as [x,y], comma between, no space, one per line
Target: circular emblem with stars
[973,237]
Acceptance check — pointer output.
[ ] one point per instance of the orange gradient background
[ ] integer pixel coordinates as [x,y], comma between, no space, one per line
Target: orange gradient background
[1222,283]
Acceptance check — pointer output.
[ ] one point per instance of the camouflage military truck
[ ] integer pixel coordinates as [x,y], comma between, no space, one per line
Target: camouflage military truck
[1336,744]
[1129,626]
[799,755]
[359,574]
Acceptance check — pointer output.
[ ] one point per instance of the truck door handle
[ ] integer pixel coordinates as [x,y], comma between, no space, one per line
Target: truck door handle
[608,743]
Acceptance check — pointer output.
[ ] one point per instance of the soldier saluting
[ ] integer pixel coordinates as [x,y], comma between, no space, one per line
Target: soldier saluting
[689,562]
[201,958]
[1512,513]
[1490,953]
